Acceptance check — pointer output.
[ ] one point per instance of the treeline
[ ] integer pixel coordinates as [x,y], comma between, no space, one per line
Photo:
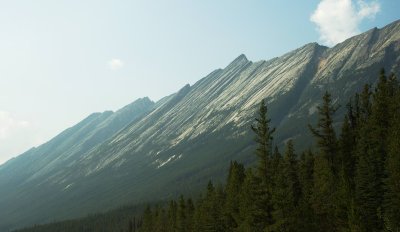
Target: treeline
[115,220]
[350,182]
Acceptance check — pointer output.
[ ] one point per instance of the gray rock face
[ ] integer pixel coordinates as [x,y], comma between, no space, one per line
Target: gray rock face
[148,151]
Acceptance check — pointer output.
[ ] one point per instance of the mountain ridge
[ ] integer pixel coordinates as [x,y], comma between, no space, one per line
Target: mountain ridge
[187,138]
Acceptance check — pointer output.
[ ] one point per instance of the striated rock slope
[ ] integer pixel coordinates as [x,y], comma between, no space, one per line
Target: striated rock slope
[176,145]
[26,181]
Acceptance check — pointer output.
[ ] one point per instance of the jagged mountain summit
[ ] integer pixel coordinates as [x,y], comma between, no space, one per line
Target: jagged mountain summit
[152,151]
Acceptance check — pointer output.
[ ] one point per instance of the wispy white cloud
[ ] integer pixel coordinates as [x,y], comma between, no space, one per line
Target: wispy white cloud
[115,64]
[338,20]
[9,124]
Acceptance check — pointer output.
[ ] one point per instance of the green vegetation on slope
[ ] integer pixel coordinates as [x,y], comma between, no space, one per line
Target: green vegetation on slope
[351,183]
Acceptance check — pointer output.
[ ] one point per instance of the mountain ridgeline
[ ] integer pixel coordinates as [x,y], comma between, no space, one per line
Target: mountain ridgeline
[154,151]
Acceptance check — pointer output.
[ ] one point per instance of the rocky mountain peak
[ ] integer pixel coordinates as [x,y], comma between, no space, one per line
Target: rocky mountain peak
[139,103]
[239,61]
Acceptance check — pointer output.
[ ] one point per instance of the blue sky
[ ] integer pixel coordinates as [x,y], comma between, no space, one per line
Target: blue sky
[62,60]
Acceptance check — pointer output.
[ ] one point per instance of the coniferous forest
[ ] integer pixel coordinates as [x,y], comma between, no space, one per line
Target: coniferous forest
[349,181]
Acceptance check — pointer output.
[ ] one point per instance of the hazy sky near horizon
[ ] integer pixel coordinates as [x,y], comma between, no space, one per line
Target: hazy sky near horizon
[62,60]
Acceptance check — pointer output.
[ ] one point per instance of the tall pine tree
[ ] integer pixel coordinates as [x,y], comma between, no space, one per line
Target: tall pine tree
[263,204]
[325,165]
[287,193]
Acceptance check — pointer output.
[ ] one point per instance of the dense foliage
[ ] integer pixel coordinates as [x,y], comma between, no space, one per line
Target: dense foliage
[351,182]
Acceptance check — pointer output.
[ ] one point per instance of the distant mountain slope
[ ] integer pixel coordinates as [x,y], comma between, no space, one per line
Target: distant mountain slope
[32,169]
[176,145]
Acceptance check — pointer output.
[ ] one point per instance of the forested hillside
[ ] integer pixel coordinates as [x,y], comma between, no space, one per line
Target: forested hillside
[349,181]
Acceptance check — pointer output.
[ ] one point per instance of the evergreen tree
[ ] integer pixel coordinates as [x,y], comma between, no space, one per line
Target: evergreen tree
[364,103]
[323,194]
[380,114]
[367,184]
[392,194]
[306,179]
[291,172]
[344,193]
[371,153]
[275,167]
[287,193]
[233,188]
[264,141]
[276,159]
[248,209]
[325,165]
[209,210]
[343,201]
[347,144]
[263,204]
[211,216]
[353,111]
[324,132]
[306,174]
[219,203]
